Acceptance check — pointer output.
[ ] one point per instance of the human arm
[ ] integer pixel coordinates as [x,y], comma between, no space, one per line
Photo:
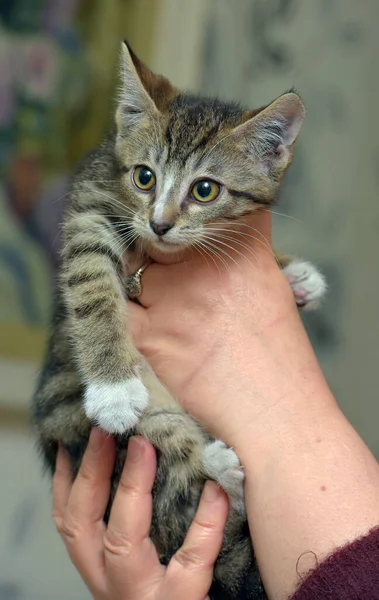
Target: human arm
[230,345]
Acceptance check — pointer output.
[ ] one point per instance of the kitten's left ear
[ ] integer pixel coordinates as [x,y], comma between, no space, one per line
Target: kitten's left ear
[142,92]
[272,132]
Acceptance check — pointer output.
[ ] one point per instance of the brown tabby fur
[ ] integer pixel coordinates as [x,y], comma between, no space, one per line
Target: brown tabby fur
[156,125]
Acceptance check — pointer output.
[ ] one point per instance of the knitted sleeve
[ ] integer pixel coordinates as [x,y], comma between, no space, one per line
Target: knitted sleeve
[350,573]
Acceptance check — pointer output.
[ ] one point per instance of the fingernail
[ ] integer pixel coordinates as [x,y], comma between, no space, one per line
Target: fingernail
[96,440]
[135,449]
[211,491]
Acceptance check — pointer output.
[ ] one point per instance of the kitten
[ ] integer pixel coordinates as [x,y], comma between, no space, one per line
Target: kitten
[175,165]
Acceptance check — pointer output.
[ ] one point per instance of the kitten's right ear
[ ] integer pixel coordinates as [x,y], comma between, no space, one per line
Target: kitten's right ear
[270,133]
[142,92]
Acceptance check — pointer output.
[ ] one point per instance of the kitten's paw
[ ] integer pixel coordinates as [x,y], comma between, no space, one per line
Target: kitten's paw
[221,464]
[307,283]
[116,407]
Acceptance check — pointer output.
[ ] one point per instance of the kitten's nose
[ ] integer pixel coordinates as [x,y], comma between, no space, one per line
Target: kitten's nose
[160,228]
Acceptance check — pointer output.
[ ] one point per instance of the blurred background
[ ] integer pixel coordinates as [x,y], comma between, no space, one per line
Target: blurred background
[58,61]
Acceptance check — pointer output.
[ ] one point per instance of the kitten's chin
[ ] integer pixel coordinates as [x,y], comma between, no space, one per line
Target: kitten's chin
[167,247]
[164,246]
[165,251]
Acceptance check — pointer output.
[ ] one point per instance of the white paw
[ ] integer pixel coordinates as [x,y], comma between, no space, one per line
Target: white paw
[116,407]
[221,464]
[307,283]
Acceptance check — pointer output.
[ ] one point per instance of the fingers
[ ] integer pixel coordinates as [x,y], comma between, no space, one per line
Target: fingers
[79,508]
[189,574]
[90,491]
[62,484]
[131,559]
[122,561]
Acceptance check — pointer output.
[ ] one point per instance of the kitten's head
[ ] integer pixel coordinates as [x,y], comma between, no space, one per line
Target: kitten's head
[189,165]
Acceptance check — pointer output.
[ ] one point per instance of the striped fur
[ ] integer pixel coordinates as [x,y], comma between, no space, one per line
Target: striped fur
[180,138]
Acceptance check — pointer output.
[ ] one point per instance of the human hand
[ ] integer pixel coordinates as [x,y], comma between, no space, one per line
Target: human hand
[119,561]
[223,333]
[230,346]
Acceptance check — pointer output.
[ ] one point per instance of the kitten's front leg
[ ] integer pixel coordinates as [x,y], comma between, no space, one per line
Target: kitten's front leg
[108,362]
[307,283]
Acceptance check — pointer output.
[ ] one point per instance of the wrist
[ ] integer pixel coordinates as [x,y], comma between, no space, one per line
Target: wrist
[250,380]
[294,426]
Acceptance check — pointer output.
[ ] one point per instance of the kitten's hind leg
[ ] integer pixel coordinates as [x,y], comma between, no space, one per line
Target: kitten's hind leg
[179,442]
[222,464]
[186,457]
[192,456]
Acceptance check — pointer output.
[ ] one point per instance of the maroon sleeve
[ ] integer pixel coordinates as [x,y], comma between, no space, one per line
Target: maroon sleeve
[350,573]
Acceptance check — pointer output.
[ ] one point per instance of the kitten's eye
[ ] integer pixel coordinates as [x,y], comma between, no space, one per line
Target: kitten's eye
[205,190]
[144,179]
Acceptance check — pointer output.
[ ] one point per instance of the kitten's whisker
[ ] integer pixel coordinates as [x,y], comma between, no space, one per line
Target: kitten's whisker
[112,216]
[102,245]
[274,212]
[101,180]
[126,240]
[124,233]
[89,213]
[266,244]
[242,224]
[116,201]
[204,252]
[117,225]
[196,246]
[209,246]
[209,243]
[94,226]
[218,241]
[242,233]
[61,197]
[235,232]
[231,239]
[123,237]
[60,226]
[216,258]
[127,236]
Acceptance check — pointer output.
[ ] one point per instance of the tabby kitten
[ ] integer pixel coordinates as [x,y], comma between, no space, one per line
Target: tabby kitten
[175,166]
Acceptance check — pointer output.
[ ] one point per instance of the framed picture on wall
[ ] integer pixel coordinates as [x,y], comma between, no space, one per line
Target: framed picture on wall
[36,59]
[57,70]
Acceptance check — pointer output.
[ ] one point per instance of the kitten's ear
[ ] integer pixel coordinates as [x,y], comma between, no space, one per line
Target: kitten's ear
[141,90]
[272,132]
